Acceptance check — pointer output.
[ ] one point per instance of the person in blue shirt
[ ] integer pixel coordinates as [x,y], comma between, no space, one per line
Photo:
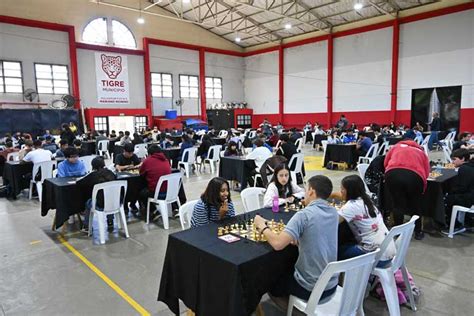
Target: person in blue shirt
[185,144]
[349,138]
[71,166]
[364,144]
[63,144]
[49,145]
[215,204]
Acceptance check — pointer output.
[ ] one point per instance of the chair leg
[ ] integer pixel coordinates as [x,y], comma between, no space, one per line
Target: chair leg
[211,162]
[91,214]
[53,227]
[408,287]
[164,214]
[390,291]
[454,215]
[124,222]
[186,170]
[30,194]
[148,212]
[291,303]
[118,219]
[101,219]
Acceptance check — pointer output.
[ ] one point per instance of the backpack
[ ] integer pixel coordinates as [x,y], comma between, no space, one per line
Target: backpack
[402,291]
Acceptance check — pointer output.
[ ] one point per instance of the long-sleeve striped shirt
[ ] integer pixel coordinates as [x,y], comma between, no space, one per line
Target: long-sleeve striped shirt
[204,214]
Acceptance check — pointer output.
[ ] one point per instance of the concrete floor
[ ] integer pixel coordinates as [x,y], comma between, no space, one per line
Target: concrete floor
[40,276]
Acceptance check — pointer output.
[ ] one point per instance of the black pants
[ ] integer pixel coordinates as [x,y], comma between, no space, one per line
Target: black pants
[404,189]
[250,171]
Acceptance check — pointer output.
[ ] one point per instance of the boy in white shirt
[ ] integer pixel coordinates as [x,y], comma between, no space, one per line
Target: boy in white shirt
[38,154]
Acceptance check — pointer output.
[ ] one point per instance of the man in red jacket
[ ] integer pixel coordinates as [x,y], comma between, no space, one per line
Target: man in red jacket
[154,166]
[407,168]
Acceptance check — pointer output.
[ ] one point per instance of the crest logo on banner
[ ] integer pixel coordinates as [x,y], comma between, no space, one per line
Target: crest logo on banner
[112,79]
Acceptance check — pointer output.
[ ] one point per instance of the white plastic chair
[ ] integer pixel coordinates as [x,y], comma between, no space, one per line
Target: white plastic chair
[386,275]
[103,148]
[14,156]
[348,299]
[299,144]
[87,160]
[46,173]
[298,166]
[189,161]
[113,204]
[278,144]
[383,149]
[324,143]
[458,212]
[173,184]
[252,198]
[186,213]
[424,144]
[141,150]
[213,152]
[362,168]
[223,134]
[370,155]
[252,134]
[446,153]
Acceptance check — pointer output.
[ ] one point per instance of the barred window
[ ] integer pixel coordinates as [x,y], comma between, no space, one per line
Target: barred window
[11,80]
[140,123]
[52,79]
[213,88]
[188,87]
[161,85]
[101,123]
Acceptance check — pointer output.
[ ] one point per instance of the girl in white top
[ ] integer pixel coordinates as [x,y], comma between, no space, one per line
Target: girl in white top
[365,222]
[282,186]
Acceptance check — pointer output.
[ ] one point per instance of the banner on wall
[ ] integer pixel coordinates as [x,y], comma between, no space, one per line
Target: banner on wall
[112,78]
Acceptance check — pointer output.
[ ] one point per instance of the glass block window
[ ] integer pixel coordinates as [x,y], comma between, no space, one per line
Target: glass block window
[161,85]
[188,87]
[11,80]
[52,79]
[101,123]
[213,88]
[140,123]
[244,120]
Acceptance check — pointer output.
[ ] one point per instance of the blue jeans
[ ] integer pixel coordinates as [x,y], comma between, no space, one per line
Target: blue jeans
[433,139]
[353,250]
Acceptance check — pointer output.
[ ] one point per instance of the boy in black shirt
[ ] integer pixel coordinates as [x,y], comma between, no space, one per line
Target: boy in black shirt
[127,160]
[78,145]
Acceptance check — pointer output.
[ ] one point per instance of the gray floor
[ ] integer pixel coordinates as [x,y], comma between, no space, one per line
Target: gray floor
[39,276]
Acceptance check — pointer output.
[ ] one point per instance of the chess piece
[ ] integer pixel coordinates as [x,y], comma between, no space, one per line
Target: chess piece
[219,231]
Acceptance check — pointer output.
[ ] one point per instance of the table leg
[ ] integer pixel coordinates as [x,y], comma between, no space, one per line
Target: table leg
[53,227]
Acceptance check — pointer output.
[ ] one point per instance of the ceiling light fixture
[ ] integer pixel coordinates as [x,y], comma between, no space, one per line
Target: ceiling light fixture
[186,1]
[238,39]
[358,5]
[140,20]
[288,26]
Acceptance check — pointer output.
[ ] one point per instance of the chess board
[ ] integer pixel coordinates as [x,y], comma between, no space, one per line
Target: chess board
[434,174]
[247,230]
[133,171]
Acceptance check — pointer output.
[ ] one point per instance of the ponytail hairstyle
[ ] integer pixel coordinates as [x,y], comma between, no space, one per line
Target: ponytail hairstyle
[355,189]
[282,189]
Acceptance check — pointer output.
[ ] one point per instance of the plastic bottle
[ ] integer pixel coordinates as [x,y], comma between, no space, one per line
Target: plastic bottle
[439,166]
[275,206]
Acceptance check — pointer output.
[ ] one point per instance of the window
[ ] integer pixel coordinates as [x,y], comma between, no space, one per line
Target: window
[244,121]
[140,123]
[52,79]
[106,31]
[101,123]
[161,85]
[213,88]
[188,87]
[10,77]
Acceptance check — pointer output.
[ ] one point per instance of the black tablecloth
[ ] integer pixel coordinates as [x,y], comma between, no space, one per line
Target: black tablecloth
[218,140]
[233,168]
[393,140]
[89,146]
[432,202]
[318,138]
[13,175]
[64,195]
[173,155]
[177,139]
[341,153]
[215,278]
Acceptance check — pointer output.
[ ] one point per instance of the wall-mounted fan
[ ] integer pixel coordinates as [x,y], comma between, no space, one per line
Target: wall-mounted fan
[179,104]
[66,101]
[30,95]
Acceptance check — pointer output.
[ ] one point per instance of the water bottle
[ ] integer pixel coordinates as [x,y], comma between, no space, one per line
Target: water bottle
[275,206]
[439,166]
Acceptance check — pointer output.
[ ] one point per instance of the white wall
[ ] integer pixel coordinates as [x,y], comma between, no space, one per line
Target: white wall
[231,70]
[437,52]
[32,45]
[175,61]
[88,83]
[362,71]
[261,83]
[305,72]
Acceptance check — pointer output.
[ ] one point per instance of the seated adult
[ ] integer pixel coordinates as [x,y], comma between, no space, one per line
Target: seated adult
[334,138]
[462,190]
[273,140]
[137,139]
[49,145]
[153,168]
[364,220]
[126,139]
[38,154]
[100,137]
[167,142]
[314,231]
[349,137]
[127,160]
[462,142]
[71,166]
[80,151]
[63,144]
[204,147]
[8,149]
[215,204]
[282,187]
[99,174]
[287,148]
[265,143]
[28,147]
[231,150]
[113,136]
[363,145]
[260,153]
[295,135]
[185,144]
